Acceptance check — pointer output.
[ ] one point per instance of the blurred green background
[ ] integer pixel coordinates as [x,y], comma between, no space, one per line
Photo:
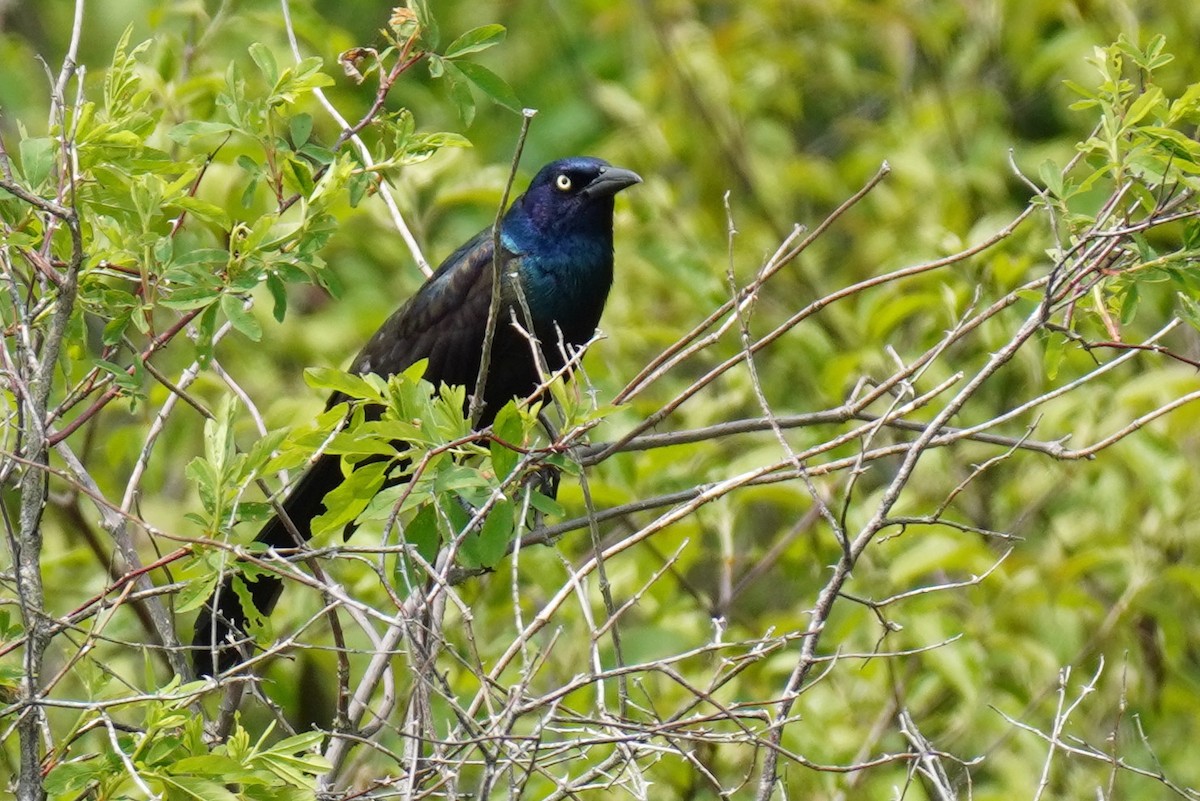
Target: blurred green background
[789,107]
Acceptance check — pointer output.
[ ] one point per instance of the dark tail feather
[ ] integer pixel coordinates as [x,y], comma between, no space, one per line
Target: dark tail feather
[220,640]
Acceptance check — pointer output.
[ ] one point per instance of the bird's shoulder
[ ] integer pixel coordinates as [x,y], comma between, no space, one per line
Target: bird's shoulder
[450,306]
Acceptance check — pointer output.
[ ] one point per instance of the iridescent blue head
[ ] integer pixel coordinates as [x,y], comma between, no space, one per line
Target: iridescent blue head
[568,201]
[562,230]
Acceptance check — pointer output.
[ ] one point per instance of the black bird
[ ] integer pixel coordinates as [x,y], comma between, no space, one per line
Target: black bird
[556,239]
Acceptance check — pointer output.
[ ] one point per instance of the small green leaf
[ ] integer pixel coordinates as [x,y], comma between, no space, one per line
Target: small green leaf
[350,498]
[348,384]
[120,377]
[240,317]
[546,505]
[507,427]
[1051,177]
[1055,349]
[37,160]
[491,84]
[1189,310]
[422,532]
[247,199]
[488,547]
[278,290]
[301,128]
[184,132]
[475,40]
[299,176]
[436,66]
[1129,304]
[203,210]
[1146,102]
[266,62]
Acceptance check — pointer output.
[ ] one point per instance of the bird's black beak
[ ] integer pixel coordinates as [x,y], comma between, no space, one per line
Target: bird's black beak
[610,181]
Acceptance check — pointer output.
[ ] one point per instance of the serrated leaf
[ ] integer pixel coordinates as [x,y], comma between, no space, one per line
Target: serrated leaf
[475,40]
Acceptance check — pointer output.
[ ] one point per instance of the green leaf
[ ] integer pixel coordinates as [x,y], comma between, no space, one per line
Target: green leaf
[114,329]
[508,427]
[266,62]
[241,318]
[278,290]
[1129,304]
[546,505]
[203,210]
[185,132]
[299,176]
[300,127]
[429,25]
[37,160]
[437,66]
[488,547]
[490,83]
[1055,349]
[464,101]
[344,504]
[422,532]
[1051,176]
[73,777]
[1189,310]
[120,377]
[351,385]
[1153,96]
[475,40]
[195,787]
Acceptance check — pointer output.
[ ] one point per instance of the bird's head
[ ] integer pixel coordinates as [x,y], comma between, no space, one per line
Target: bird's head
[568,198]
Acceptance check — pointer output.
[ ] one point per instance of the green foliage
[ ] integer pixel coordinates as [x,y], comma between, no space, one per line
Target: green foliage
[219,206]
[169,756]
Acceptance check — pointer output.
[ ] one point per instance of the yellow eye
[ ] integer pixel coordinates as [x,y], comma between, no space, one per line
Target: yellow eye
[563,182]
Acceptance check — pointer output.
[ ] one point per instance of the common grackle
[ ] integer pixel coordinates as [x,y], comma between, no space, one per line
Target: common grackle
[557,241]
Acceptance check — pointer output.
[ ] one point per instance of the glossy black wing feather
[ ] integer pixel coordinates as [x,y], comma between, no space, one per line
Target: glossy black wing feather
[443,322]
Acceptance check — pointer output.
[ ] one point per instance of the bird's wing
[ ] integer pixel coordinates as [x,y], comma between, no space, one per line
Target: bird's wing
[443,322]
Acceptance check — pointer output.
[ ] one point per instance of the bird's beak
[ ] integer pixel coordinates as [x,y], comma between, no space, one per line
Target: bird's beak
[610,181]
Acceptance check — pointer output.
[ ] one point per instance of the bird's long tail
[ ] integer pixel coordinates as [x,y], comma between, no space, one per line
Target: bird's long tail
[220,633]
